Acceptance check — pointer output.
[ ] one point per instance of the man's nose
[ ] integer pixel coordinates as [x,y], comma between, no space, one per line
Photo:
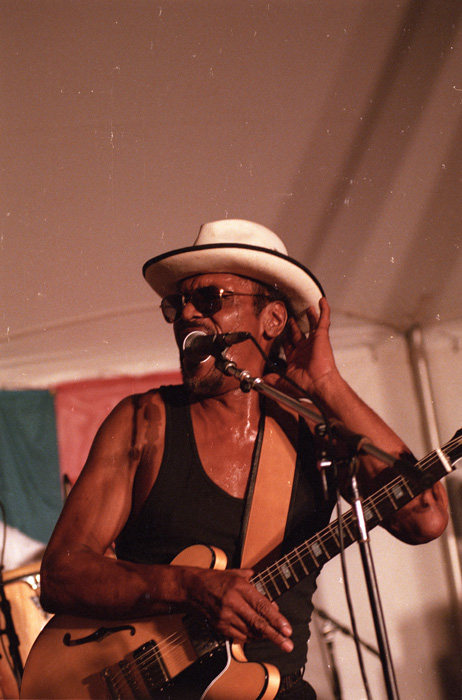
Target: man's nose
[189,311]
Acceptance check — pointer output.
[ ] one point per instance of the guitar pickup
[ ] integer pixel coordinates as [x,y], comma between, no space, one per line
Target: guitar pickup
[136,674]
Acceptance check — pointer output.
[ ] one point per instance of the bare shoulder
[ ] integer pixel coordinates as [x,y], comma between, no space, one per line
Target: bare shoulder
[131,417]
[146,442]
[147,415]
[129,445]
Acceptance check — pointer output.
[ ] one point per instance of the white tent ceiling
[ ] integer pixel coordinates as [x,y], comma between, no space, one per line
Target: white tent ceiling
[127,124]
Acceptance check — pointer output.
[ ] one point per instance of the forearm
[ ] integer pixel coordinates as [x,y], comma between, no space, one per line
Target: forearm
[88,584]
[426,516]
[95,586]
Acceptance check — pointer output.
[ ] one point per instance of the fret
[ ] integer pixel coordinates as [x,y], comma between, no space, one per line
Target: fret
[398,491]
[390,497]
[316,550]
[260,586]
[297,562]
[375,510]
[346,529]
[300,559]
[286,573]
[330,541]
[312,554]
[296,565]
[408,489]
[276,587]
[323,542]
[368,512]
[292,570]
[272,591]
[334,535]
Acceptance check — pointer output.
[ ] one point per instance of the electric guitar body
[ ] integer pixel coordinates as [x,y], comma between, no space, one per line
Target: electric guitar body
[168,657]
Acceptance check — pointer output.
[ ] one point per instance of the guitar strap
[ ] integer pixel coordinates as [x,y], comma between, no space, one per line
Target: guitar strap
[269,493]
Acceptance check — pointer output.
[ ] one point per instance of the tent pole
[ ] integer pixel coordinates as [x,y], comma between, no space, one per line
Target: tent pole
[422,382]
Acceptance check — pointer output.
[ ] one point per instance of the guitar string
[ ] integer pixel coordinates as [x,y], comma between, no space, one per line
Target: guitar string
[170,645]
[173,641]
[348,519]
[329,532]
[156,678]
[149,656]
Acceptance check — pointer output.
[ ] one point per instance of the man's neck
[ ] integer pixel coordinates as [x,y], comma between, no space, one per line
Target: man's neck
[225,428]
[233,405]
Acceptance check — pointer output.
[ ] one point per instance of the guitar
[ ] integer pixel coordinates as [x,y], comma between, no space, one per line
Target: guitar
[177,657]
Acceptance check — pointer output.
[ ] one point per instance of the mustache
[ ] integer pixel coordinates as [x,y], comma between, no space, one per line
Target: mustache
[182,327]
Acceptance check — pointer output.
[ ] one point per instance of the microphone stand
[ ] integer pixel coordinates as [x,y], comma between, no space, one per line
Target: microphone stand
[359,444]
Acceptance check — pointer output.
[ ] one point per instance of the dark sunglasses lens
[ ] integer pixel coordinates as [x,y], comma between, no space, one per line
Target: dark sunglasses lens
[207,300]
[172,307]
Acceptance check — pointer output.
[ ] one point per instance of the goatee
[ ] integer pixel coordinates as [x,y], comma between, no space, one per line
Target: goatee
[202,386]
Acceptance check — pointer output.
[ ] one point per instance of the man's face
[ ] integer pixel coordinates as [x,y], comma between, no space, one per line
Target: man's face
[237,313]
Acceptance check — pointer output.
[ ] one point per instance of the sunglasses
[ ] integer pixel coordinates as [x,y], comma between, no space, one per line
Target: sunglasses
[207,300]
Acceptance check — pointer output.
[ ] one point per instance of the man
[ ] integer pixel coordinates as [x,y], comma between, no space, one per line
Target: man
[172,468]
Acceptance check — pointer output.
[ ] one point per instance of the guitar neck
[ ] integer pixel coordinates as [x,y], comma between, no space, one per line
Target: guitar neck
[310,556]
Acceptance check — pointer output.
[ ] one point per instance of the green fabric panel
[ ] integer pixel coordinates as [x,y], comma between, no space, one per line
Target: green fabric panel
[29,467]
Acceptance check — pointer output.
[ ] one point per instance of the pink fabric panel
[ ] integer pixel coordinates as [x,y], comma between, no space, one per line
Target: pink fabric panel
[81,407]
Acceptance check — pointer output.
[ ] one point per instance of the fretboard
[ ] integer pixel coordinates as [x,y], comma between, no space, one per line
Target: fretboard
[316,551]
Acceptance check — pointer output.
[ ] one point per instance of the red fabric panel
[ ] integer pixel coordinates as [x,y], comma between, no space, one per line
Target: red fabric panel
[82,406]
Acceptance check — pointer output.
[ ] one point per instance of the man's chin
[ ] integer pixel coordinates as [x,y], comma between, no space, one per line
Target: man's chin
[202,385]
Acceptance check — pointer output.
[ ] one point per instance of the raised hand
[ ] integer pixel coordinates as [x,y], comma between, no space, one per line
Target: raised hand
[310,360]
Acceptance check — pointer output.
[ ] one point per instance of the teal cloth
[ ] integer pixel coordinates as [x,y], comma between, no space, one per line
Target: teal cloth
[29,467]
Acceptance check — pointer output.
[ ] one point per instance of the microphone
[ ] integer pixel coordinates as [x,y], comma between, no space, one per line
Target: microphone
[199,346]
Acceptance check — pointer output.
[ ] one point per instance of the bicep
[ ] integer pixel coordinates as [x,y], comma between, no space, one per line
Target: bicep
[99,503]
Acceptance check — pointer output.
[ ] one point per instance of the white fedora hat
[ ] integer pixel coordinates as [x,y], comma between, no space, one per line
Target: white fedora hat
[241,248]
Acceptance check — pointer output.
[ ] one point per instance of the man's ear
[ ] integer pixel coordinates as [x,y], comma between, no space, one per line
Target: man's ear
[274,318]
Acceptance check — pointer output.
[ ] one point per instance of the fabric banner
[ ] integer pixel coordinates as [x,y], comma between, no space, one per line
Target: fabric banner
[29,472]
[82,406]
[45,438]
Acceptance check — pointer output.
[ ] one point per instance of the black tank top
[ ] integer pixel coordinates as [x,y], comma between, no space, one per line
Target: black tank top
[185,507]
